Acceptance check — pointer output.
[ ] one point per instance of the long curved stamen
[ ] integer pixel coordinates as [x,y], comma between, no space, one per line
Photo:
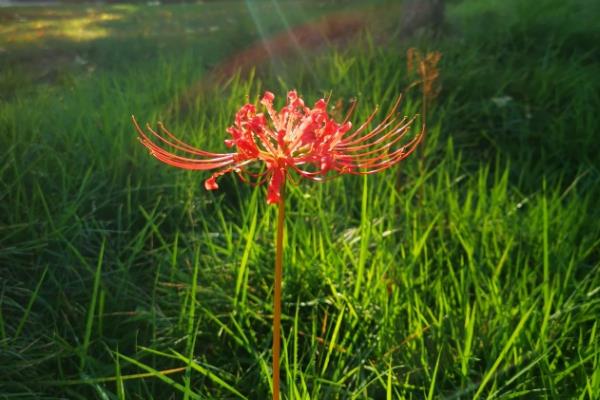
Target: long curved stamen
[363,126]
[180,161]
[349,113]
[390,138]
[192,166]
[376,164]
[187,147]
[399,128]
[157,150]
[182,146]
[384,125]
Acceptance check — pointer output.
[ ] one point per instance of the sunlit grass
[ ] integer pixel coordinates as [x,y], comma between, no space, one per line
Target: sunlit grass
[84,26]
[479,260]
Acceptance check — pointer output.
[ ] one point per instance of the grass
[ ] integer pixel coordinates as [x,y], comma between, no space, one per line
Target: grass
[473,272]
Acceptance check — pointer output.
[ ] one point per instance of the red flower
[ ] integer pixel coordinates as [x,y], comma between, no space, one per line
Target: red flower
[295,138]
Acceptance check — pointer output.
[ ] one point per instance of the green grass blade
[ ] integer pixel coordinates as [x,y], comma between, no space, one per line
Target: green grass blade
[159,375]
[32,299]
[333,340]
[433,378]
[92,308]
[209,374]
[490,373]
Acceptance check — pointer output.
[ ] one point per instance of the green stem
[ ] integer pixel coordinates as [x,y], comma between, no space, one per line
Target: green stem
[277,292]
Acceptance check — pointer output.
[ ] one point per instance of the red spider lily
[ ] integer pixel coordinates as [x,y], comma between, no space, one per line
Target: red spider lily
[295,138]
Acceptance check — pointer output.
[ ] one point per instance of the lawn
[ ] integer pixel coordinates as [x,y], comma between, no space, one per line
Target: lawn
[469,271]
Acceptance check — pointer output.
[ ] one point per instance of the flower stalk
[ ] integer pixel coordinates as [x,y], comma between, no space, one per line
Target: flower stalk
[277,291]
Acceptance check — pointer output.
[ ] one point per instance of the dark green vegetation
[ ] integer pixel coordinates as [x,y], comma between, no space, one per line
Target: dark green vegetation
[471,273]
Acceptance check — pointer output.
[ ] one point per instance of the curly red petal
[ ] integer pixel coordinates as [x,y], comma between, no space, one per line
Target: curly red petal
[296,137]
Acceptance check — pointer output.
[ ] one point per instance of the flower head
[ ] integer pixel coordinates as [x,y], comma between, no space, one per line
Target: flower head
[295,138]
